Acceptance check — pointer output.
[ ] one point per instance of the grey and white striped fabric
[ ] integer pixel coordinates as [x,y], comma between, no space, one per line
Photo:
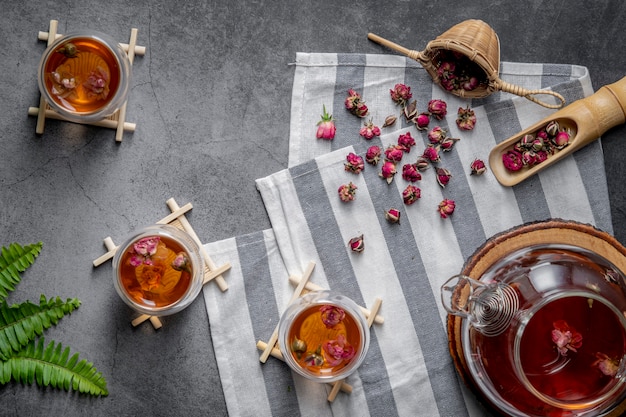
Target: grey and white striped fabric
[408,370]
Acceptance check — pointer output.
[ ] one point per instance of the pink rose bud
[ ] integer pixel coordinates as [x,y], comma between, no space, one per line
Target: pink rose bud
[478,167]
[406,142]
[436,135]
[356,244]
[512,160]
[326,126]
[561,139]
[392,215]
[390,121]
[411,194]
[354,104]
[437,108]
[446,208]
[394,153]
[181,262]
[466,119]
[410,173]
[552,128]
[469,84]
[422,163]
[354,163]
[443,176]
[369,130]
[527,141]
[347,192]
[373,155]
[431,153]
[400,94]
[388,171]
[448,143]
[422,121]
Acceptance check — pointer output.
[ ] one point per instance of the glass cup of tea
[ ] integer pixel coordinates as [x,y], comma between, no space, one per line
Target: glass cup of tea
[84,76]
[323,336]
[159,270]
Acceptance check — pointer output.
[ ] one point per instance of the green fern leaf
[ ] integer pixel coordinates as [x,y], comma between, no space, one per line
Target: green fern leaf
[22,323]
[13,260]
[49,366]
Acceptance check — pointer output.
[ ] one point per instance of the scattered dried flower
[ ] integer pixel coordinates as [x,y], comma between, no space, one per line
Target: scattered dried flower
[394,153]
[354,104]
[372,156]
[565,337]
[406,142]
[392,215]
[401,94]
[431,153]
[326,126]
[436,135]
[512,160]
[446,208]
[410,110]
[466,119]
[347,192]
[357,244]
[447,144]
[390,121]
[443,176]
[354,163]
[369,130]
[411,194]
[478,167]
[411,173]
[422,163]
[437,108]
[388,171]
[422,121]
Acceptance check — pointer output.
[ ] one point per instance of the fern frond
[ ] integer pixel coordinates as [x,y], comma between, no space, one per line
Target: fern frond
[13,260]
[22,323]
[52,366]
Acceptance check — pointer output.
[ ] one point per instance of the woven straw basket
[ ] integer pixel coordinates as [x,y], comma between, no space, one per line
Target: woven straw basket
[476,41]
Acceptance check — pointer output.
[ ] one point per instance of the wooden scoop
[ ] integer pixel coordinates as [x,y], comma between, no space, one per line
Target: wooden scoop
[586,119]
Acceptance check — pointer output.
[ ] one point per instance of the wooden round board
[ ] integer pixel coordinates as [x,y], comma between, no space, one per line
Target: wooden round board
[544,232]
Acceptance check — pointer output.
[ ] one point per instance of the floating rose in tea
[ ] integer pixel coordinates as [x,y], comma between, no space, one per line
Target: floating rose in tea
[84,76]
[158,271]
[323,336]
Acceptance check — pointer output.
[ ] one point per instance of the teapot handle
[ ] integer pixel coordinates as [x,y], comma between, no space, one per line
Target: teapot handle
[457,293]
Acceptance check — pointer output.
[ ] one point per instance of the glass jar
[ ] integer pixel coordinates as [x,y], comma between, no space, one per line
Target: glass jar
[323,336]
[84,76]
[159,270]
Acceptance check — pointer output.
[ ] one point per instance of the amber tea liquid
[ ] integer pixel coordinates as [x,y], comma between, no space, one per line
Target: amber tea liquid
[309,328]
[83,80]
[158,284]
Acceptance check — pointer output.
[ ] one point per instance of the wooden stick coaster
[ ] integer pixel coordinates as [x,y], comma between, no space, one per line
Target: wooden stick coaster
[303,285]
[177,219]
[117,120]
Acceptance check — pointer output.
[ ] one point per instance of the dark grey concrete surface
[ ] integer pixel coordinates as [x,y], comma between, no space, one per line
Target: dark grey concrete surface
[211,100]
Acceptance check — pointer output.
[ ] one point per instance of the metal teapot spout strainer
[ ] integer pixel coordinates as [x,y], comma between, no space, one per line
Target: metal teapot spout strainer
[470,43]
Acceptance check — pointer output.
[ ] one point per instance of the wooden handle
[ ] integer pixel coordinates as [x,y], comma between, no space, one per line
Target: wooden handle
[416,55]
[530,94]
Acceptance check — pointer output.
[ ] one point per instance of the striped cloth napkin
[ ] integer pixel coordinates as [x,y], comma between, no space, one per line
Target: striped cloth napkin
[408,370]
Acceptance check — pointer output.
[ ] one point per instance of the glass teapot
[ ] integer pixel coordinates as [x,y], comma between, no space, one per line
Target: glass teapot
[544,331]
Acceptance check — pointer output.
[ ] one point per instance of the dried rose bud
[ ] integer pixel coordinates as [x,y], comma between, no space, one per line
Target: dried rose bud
[561,139]
[552,128]
[538,144]
[422,163]
[388,171]
[372,155]
[394,153]
[354,104]
[437,108]
[357,244]
[354,163]
[443,176]
[410,111]
[542,134]
[446,208]
[347,192]
[512,160]
[541,156]
[529,158]
[298,346]
[369,130]
[326,126]
[478,167]
[436,135]
[400,94]
[448,143]
[422,121]
[469,84]
[392,215]
[431,153]
[410,173]
[411,194]
[527,141]
[406,142]
[446,74]
[390,121]
[466,119]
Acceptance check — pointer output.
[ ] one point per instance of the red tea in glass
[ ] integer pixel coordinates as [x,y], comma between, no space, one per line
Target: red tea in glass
[324,339]
[155,271]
